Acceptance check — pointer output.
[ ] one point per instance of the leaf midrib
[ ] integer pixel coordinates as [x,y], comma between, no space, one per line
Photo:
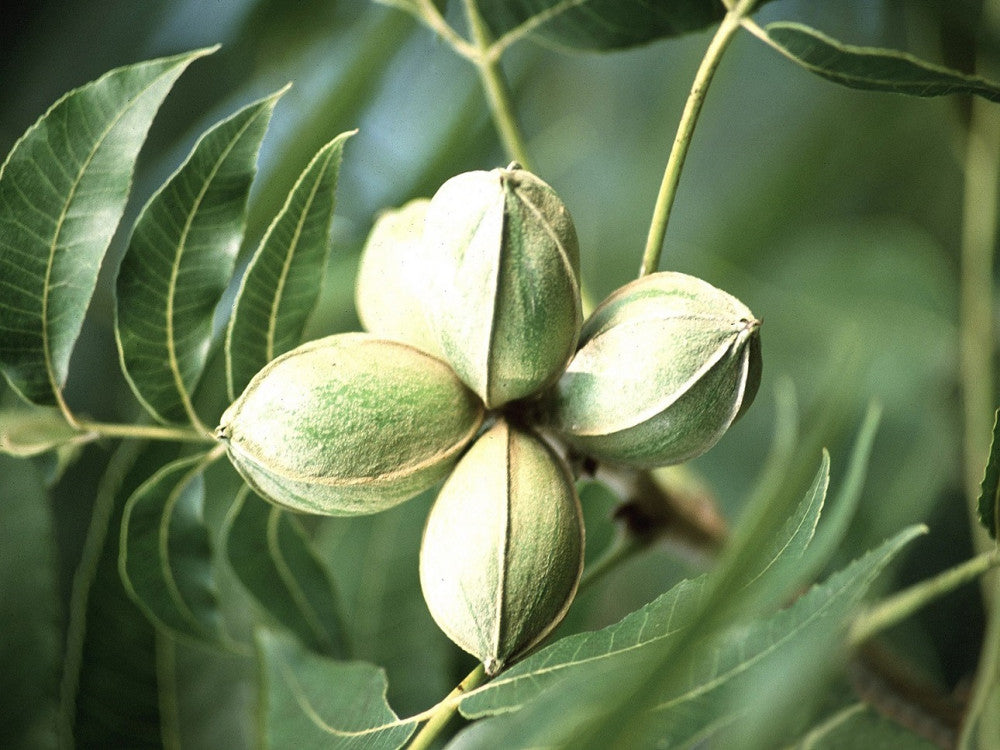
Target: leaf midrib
[54,245]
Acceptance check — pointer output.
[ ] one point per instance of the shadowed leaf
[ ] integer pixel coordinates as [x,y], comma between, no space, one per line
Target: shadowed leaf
[31,646]
[271,555]
[989,491]
[165,557]
[311,701]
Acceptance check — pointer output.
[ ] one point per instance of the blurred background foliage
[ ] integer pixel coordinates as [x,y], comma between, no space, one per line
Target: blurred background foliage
[834,214]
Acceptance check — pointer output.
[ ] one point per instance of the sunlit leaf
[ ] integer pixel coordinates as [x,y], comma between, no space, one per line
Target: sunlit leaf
[989,491]
[872,68]
[271,555]
[312,701]
[180,259]
[283,279]
[31,646]
[63,189]
[773,574]
[655,622]
[165,557]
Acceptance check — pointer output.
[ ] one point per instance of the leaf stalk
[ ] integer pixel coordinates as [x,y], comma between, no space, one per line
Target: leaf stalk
[682,140]
[487,63]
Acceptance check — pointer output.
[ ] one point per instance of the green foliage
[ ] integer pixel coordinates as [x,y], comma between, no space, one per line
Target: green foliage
[300,709]
[604,24]
[165,551]
[289,580]
[31,649]
[148,597]
[871,68]
[179,261]
[63,189]
[279,287]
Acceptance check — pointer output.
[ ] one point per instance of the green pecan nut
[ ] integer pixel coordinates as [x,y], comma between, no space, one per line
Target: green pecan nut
[665,365]
[502,551]
[392,285]
[505,281]
[349,425]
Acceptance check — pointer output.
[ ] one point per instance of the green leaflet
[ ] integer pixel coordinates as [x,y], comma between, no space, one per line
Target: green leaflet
[63,189]
[704,687]
[781,562]
[31,647]
[375,561]
[110,669]
[283,279]
[298,708]
[270,553]
[670,613]
[179,261]
[165,557]
[872,68]
[989,492]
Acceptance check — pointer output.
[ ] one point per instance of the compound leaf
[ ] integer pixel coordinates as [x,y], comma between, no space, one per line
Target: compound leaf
[63,189]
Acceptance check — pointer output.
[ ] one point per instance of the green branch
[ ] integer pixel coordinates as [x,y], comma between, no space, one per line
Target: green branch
[487,62]
[682,141]
[443,712]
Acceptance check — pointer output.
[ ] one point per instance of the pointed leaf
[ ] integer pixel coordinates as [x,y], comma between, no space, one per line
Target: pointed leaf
[781,565]
[109,684]
[166,558]
[31,646]
[283,279]
[771,574]
[872,68]
[271,555]
[989,491]
[180,259]
[685,698]
[63,189]
[809,627]
[601,24]
[311,701]
[657,621]
[845,503]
